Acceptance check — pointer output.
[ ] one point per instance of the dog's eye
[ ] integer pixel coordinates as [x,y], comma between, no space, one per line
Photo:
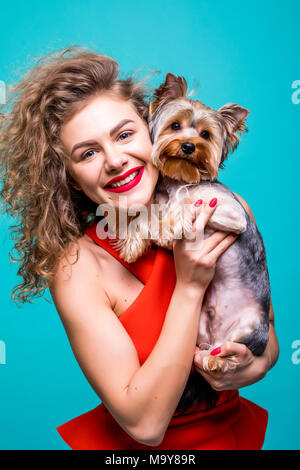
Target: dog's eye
[175,126]
[204,135]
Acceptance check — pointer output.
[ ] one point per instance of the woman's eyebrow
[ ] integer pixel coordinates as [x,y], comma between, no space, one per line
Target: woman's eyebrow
[87,143]
[119,125]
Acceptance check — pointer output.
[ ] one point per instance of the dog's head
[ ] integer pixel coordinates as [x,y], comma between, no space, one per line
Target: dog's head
[191,140]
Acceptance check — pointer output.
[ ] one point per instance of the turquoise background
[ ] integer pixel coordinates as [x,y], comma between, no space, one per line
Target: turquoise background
[243,52]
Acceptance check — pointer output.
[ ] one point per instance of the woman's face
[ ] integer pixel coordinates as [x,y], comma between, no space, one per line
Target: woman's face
[108,139]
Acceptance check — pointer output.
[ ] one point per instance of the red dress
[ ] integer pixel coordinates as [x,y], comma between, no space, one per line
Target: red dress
[234,423]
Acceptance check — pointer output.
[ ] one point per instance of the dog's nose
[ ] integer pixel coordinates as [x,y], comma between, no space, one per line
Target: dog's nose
[188,147]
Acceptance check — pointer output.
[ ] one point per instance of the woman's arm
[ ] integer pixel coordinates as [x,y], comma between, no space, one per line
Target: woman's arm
[142,399]
[252,368]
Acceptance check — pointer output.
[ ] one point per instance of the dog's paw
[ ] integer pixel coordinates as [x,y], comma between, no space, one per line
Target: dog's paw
[131,249]
[228,216]
[164,243]
[218,364]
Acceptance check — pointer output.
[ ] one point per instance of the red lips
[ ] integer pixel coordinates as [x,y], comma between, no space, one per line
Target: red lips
[127,186]
[120,177]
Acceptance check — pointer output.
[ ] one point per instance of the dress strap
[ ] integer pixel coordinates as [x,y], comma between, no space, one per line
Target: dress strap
[141,268]
[144,318]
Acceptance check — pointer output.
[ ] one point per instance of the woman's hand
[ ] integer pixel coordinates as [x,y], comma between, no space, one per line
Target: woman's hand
[250,369]
[195,257]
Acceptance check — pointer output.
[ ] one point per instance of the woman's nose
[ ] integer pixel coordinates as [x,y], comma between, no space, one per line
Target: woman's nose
[114,161]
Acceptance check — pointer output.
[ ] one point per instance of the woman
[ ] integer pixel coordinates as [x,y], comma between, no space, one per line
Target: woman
[73,129]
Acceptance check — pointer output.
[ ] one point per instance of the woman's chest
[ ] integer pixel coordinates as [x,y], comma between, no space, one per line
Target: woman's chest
[120,285]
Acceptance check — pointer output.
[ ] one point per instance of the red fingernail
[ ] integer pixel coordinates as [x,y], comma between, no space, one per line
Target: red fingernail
[198,203]
[216,351]
[213,202]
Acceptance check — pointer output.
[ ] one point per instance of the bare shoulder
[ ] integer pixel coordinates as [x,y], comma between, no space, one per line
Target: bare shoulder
[246,206]
[78,276]
[77,259]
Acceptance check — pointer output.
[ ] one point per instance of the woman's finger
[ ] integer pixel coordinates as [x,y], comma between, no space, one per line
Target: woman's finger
[214,240]
[206,211]
[222,246]
[230,348]
[200,217]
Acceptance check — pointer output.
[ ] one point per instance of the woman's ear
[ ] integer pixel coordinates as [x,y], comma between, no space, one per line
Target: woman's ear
[72,182]
[76,187]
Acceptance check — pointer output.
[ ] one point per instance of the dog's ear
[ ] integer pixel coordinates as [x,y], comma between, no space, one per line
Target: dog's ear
[172,88]
[234,117]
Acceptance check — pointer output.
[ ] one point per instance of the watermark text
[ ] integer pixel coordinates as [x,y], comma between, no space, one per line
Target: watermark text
[296,354]
[2,352]
[296,94]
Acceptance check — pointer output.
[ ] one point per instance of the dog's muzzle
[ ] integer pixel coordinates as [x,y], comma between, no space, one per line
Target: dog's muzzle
[188,147]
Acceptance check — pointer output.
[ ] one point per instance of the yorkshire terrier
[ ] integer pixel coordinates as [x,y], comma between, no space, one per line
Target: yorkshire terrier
[190,143]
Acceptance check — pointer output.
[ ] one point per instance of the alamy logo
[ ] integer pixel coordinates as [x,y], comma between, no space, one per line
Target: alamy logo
[148,222]
[2,352]
[296,94]
[296,353]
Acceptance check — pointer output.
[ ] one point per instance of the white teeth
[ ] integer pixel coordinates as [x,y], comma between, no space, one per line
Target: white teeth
[124,181]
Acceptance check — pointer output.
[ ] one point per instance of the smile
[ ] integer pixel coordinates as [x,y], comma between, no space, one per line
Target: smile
[127,183]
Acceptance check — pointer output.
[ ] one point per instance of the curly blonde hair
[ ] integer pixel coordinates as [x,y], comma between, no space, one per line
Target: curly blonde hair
[37,188]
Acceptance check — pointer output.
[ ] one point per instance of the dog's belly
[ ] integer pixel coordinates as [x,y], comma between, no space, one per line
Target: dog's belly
[236,304]
[230,311]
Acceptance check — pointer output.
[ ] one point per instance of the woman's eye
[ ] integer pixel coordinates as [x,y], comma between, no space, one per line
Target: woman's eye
[87,154]
[204,135]
[124,135]
[175,126]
